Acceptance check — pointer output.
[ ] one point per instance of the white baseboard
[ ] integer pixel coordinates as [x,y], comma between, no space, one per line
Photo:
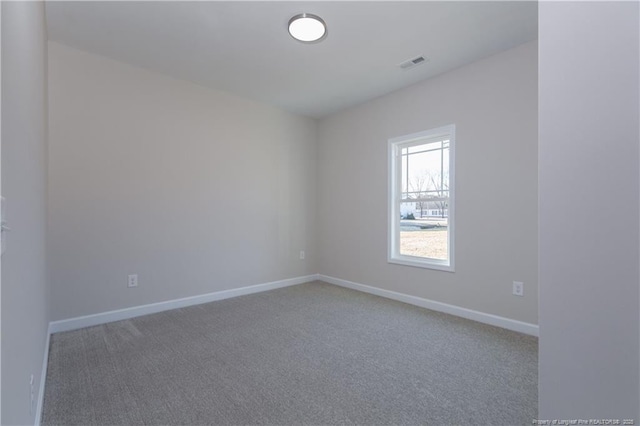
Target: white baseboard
[136,311]
[509,324]
[43,378]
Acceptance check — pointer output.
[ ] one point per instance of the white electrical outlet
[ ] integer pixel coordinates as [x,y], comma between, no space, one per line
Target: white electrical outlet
[301,254]
[518,288]
[133,280]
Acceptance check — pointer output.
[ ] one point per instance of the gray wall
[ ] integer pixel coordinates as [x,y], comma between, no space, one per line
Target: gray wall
[493,103]
[588,155]
[194,190]
[25,306]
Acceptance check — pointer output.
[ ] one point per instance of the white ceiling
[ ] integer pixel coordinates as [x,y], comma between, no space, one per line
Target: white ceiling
[244,47]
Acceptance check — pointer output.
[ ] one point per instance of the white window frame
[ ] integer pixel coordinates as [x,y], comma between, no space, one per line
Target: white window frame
[395,193]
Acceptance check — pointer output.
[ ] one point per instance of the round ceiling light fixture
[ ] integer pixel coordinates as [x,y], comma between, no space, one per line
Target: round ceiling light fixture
[307,28]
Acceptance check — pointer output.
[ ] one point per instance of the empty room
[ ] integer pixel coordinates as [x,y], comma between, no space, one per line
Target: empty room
[301,212]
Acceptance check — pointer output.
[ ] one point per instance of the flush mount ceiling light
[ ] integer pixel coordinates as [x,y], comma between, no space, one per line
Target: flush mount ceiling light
[307,28]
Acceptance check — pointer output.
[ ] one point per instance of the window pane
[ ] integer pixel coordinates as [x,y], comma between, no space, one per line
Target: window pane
[424,229]
[425,171]
[425,147]
[422,169]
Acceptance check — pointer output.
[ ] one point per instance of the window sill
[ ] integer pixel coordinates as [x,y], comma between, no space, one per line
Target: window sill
[438,265]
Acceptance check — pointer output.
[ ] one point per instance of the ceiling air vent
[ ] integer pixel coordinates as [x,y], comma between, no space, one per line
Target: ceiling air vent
[413,62]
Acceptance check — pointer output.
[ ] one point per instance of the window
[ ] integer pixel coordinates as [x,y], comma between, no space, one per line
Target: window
[421,199]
